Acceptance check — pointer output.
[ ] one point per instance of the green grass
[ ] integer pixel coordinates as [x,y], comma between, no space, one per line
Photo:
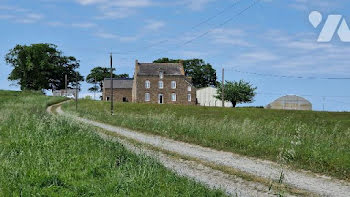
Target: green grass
[45,155]
[316,141]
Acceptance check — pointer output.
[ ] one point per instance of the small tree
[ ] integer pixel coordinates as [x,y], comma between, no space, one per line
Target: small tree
[98,74]
[237,92]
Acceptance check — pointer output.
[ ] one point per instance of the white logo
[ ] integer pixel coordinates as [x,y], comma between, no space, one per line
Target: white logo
[330,27]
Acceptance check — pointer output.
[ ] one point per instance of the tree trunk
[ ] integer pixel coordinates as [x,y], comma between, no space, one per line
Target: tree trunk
[234,104]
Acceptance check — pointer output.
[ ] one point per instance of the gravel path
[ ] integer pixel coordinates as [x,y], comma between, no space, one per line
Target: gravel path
[319,185]
[214,179]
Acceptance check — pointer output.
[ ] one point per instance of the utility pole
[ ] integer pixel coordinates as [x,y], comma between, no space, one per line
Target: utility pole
[95,89]
[324,100]
[76,92]
[111,84]
[65,85]
[223,87]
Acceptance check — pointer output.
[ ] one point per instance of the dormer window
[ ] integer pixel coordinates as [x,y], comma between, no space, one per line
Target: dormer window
[161,75]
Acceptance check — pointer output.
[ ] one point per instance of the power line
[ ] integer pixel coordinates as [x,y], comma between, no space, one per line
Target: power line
[193,27]
[289,76]
[217,26]
[305,95]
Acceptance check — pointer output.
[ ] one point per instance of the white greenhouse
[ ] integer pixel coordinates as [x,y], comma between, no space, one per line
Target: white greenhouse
[290,102]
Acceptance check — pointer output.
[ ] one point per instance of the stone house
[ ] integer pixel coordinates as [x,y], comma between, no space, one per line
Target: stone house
[162,83]
[122,90]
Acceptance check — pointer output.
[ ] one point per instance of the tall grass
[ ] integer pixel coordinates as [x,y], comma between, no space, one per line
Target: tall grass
[44,155]
[316,141]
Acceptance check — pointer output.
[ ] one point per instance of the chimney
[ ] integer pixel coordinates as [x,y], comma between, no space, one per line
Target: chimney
[182,67]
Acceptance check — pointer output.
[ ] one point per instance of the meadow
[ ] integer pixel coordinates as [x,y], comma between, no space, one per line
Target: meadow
[47,155]
[315,141]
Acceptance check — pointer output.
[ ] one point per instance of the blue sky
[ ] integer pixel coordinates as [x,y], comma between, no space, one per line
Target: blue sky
[269,37]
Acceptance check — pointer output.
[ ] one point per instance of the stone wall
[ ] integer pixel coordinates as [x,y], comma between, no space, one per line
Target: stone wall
[118,95]
[181,90]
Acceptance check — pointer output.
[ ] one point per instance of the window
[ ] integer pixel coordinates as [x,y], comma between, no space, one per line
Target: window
[107,98]
[147,84]
[160,84]
[160,99]
[173,85]
[173,97]
[189,97]
[161,75]
[189,88]
[147,97]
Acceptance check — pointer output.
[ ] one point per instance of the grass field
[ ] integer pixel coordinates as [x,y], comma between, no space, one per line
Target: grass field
[44,155]
[316,141]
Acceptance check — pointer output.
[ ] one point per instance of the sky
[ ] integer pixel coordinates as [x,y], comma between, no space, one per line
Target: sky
[257,41]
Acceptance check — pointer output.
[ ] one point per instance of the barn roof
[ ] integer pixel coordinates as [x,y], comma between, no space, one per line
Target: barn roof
[118,83]
[154,69]
[292,99]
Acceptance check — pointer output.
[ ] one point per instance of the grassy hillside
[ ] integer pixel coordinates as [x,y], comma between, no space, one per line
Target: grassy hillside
[44,155]
[316,141]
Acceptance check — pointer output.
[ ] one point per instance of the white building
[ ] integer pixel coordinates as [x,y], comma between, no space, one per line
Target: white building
[206,97]
[65,93]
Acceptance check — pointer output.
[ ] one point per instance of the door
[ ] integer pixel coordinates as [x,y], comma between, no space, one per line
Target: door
[160,99]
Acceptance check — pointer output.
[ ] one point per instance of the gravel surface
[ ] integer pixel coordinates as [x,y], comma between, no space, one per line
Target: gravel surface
[319,185]
[214,179]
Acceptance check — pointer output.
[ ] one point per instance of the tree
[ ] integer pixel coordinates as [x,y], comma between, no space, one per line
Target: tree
[203,74]
[42,66]
[237,92]
[98,74]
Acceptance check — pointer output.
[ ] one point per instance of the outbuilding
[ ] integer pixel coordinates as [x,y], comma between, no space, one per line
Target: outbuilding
[290,102]
[207,97]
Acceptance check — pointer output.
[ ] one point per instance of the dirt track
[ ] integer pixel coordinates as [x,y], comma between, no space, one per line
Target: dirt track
[264,170]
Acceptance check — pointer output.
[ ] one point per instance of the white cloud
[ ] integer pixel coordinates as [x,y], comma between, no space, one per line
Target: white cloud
[259,56]
[154,25]
[196,4]
[307,5]
[321,5]
[297,54]
[84,25]
[75,25]
[192,54]
[29,18]
[229,36]
[112,9]
[117,3]
[19,15]
[106,35]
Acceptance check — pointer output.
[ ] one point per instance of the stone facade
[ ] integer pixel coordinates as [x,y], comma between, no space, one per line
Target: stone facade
[119,95]
[153,73]
[122,90]
[181,91]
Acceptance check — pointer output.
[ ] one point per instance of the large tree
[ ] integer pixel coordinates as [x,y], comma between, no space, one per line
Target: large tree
[237,92]
[42,67]
[203,74]
[98,74]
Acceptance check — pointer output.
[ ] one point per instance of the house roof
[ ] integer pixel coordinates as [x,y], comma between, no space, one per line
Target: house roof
[118,83]
[155,68]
